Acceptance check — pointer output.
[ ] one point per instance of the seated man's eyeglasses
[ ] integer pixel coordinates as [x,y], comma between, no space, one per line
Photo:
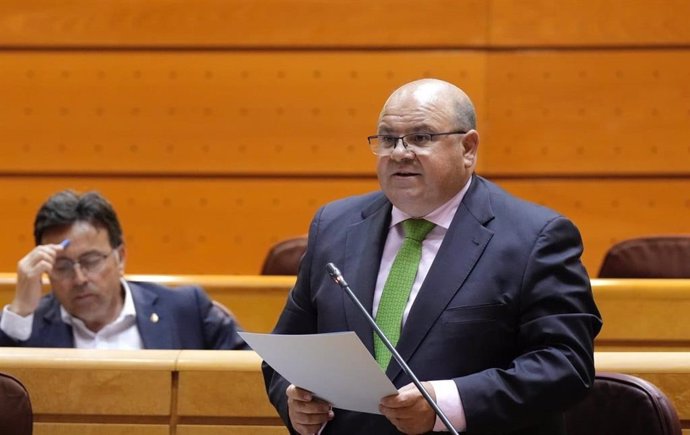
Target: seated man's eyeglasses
[418,143]
[90,264]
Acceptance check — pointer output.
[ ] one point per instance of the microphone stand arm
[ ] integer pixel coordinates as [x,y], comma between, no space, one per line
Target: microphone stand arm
[338,278]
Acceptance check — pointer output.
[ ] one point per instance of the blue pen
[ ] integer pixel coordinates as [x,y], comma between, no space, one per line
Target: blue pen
[64,243]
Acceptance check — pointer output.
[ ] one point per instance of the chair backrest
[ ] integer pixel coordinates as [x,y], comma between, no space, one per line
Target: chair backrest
[648,257]
[623,404]
[16,415]
[222,307]
[283,258]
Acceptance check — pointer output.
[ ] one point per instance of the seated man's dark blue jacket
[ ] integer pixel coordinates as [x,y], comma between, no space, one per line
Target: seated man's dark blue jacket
[185,318]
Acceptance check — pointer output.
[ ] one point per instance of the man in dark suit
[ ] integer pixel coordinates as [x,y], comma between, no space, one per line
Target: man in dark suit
[79,246]
[499,322]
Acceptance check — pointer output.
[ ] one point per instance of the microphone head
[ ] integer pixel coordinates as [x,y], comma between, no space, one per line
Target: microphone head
[335,274]
[333,271]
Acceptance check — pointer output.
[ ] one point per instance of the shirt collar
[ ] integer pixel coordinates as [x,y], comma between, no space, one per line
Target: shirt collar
[442,216]
[128,309]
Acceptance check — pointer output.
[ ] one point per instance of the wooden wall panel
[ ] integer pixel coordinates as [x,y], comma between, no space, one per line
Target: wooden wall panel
[256,308]
[342,23]
[137,392]
[243,23]
[670,371]
[588,112]
[138,99]
[121,387]
[206,112]
[99,429]
[199,398]
[610,210]
[573,112]
[639,312]
[230,394]
[226,226]
[187,225]
[183,429]
[589,23]
[75,392]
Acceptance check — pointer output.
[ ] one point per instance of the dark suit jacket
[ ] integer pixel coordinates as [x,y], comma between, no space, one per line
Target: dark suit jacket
[186,319]
[506,310]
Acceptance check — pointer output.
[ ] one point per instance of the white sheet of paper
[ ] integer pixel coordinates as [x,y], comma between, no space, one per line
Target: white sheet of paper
[335,366]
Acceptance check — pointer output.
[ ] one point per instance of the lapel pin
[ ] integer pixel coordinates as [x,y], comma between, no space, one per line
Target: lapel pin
[154,318]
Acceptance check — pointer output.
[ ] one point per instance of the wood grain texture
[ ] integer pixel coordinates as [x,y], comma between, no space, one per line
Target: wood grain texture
[594,23]
[243,23]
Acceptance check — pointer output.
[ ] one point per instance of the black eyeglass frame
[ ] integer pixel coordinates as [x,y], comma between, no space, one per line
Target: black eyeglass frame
[404,142]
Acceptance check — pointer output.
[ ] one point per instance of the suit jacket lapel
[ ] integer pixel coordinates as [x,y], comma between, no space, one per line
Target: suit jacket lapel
[55,332]
[463,244]
[154,327]
[364,246]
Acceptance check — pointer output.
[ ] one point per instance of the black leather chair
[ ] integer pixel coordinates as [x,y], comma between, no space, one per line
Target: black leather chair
[648,257]
[621,404]
[16,415]
[283,258]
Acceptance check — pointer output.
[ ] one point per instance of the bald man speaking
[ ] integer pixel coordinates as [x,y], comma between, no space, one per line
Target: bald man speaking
[483,294]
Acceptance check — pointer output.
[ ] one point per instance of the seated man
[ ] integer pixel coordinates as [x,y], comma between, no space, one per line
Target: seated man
[79,245]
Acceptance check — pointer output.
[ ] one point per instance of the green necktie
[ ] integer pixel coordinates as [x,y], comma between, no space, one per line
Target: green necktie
[396,291]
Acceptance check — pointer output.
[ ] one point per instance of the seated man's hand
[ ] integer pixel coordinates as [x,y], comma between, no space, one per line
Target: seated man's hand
[408,410]
[30,269]
[307,413]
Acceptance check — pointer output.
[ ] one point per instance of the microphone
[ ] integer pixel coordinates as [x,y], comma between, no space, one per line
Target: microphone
[340,280]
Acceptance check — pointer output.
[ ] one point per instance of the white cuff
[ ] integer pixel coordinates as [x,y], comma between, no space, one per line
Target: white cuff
[16,326]
[448,399]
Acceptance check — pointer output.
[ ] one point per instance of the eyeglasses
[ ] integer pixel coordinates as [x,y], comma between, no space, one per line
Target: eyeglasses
[89,264]
[418,143]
